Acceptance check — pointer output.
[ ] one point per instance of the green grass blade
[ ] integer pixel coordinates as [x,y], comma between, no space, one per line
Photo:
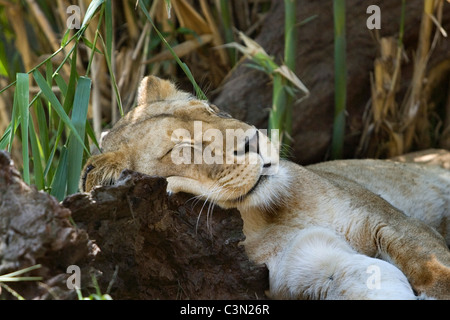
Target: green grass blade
[340,79]
[56,105]
[75,149]
[93,46]
[59,183]
[90,132]
[36,153]
[23,92]
[228,28]
[42,129]
[4,140]
[3,61]
[70,92]
[3,71]
[8,137]
[49,72]
[14,122]
[65,38]
[12,279]
[19,272]
[109,28]
[282,102]
[291,34]
[113,78]
[278,105]
[95,4]
[67,106]
[77,35]
[61,83]
[183,66]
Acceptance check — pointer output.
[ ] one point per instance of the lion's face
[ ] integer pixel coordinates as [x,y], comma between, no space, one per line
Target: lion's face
[190,142]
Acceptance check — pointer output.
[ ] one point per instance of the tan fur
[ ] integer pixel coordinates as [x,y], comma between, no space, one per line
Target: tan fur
[373,212]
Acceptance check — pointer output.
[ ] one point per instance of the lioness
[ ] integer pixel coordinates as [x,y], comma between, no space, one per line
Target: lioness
[355,229]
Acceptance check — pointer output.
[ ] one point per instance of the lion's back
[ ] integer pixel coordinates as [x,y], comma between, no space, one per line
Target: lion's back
[421,192]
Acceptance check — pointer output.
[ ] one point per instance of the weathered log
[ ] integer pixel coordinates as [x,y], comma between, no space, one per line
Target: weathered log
[166,247]
[35,229]
[162,247]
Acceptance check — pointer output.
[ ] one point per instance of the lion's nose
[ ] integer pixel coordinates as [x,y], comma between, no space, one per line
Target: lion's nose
[269,153]
[258,145]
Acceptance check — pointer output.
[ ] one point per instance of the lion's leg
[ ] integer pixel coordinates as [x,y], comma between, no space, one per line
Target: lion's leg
[321,265]
[104,169]
[421,254]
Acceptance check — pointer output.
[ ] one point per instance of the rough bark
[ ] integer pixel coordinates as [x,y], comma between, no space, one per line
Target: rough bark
[35,229]
[162,247]
[166,247]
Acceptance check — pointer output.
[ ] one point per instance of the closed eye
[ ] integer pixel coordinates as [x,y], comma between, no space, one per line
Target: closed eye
[222,114]
[246,147]
[182,144]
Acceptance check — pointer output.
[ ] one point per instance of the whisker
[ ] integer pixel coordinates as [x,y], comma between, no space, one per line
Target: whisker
[208,216]
[211,196]
[212,191]
[196,199]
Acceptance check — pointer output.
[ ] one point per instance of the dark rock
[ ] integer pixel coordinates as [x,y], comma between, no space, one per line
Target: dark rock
[247,93]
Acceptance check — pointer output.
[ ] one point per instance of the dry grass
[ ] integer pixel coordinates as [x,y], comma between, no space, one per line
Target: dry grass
[194,30]
[396,121]
[94,72]
[400,121]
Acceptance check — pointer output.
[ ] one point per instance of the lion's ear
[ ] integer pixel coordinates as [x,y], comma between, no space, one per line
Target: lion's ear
[154,89]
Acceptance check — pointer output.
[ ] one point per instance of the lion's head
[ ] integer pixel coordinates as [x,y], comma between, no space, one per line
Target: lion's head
[199,149]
